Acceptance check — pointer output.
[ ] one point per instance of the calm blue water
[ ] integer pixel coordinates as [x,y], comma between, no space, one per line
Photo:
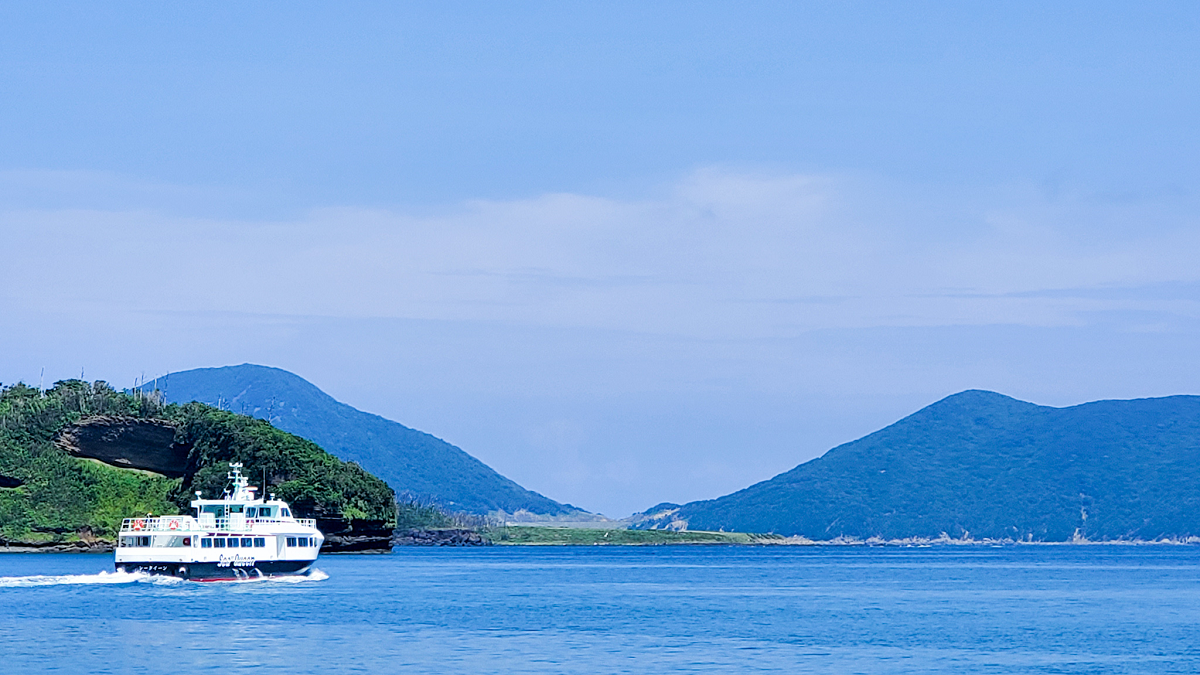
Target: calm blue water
[1058,609]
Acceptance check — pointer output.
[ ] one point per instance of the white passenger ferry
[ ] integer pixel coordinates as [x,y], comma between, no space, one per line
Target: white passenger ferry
[235,537]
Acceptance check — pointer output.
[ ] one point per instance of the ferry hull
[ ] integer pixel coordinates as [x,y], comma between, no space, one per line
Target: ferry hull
[211,571]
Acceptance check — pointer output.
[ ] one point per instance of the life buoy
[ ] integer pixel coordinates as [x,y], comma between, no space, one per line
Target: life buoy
[139,524]
[174,525]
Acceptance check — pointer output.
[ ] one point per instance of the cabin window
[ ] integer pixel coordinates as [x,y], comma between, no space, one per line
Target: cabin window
[291,541]
[260,542]
[264,512]
[251,512]
[217,510]
[219,543]
[206,542]
[236,508]
[187,541]
[286,513]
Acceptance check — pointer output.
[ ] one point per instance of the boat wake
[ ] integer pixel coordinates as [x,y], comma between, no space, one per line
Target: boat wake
[313,575]
[86,579]
[103,578]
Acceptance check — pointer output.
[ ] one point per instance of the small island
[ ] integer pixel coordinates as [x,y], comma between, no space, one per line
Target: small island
[78,458]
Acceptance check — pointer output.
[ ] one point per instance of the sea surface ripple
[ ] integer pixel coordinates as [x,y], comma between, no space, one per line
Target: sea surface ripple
[597,610]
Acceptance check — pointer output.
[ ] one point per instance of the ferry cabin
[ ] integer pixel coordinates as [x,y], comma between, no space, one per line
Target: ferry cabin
[235,537]
[279,546]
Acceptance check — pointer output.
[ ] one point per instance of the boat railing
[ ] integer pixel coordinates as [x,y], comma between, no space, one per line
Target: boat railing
[158,524]
[309,522]
[172,523]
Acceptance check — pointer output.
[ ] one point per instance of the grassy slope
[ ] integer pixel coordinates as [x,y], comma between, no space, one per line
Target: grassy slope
[412,462]
[64,498]
[987,465]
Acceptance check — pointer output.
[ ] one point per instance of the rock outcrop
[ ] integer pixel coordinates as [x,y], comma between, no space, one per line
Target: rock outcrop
[356,536]
[447,537]
[127,443]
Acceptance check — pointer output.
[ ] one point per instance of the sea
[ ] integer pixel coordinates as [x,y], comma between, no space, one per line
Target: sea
[596,610]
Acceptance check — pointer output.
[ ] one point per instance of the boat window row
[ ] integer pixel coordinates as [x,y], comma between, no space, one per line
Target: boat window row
[233,542]
[157,541]
[301,541]
[223,510]
[268,512]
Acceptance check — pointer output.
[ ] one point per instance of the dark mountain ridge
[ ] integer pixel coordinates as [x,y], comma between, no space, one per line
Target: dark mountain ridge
[412,462]
[982,465]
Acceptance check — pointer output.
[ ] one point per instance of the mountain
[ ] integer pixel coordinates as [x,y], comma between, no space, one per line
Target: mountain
[984,465]
[78,458]
[414,463]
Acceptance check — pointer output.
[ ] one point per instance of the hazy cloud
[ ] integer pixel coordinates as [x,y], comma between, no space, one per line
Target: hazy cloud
[717,255]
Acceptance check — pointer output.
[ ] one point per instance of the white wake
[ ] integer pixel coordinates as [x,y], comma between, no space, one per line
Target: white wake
[312,575]
[137,577]
[85,579]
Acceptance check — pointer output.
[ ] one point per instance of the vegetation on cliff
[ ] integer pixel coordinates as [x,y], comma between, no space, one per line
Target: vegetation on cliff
[49,494]
[297,470]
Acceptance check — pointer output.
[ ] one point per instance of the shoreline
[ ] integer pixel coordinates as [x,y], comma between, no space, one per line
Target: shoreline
[543,536]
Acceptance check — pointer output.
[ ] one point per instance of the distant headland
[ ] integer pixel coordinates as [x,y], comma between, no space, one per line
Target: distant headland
[980,466]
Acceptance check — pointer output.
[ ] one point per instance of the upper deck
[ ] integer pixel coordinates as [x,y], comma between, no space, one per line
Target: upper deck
[203,524]
[237,511]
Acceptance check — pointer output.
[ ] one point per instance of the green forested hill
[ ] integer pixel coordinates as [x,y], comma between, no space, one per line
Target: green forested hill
[989,466]
[412,462]
[52,490]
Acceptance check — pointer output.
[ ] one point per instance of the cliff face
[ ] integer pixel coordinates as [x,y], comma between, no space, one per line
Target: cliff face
[127,443]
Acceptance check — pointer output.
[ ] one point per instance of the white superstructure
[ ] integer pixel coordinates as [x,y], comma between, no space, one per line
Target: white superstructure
[236,537]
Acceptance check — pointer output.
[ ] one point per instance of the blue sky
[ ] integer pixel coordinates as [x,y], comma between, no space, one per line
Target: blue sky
[623,253]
